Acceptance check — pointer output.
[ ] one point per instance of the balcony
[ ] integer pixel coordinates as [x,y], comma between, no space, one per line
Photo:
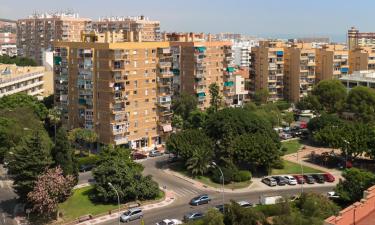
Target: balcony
[164,64]
[121,140]
[164,73]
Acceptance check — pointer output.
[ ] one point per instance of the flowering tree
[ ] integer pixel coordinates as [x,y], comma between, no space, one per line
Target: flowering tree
[51,188]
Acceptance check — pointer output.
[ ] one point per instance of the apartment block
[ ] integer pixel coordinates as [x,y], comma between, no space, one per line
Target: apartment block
[362,58]
[36,34]
[360,39]
[31,80]
[8,30]
[121,90]
[364,78]
[143,28]
[242,52]
[267,68]
[299,71]
[197,63]
[332,62]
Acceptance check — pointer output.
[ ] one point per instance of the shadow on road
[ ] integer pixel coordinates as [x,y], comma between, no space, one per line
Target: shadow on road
[8,206]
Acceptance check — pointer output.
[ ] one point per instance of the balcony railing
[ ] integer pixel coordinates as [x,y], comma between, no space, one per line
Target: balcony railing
[164,64]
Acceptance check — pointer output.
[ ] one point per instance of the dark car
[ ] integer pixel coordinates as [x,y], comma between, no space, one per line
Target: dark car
[155,153]
[199,200]
[329,177]
[85,168]
[193,216]
[309,179]
[280,180]
[319,178]
[137,156]
[299,178]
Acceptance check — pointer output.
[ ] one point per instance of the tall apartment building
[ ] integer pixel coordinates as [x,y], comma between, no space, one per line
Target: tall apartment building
[199,63]
[299,71]
[121,90]
[143,28]
[362,59]
[267,68]
[332,62]
[242,52]
[360,39]
[8,30]
[36,34]
[31,80]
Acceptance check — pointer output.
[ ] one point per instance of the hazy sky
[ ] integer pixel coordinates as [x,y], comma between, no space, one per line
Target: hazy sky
[256,17]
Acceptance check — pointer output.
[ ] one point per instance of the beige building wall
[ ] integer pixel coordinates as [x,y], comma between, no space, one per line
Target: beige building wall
[362,59]
[332,62]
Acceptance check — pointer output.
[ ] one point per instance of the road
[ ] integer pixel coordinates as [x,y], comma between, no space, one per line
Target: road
[7,199]
[185,191]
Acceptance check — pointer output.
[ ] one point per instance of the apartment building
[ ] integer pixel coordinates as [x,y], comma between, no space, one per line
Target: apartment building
[362,58]
[31,80]
[121,90]
[242,52]
[364,78]
[267,68]
[332,62]
[8,30]
[197,63]
[299,71]
[360,39]
[36,34]
[143,28]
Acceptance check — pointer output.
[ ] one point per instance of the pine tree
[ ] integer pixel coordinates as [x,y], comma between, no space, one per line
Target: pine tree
[63,154]
[27,161]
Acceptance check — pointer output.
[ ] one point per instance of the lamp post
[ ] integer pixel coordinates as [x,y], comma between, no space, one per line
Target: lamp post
[118,201]
[346,152]
[222,179]
[300,163]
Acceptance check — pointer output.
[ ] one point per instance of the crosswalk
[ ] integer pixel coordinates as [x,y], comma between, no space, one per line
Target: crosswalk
[6,184]
[181,192]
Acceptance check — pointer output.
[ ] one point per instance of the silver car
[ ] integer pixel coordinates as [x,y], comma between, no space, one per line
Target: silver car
[131,214]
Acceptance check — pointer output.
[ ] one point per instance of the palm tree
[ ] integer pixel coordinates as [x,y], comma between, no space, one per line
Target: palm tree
[199,162]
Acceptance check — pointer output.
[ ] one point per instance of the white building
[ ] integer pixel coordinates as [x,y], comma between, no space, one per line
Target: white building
[359,78]
[8,49]
[242,50]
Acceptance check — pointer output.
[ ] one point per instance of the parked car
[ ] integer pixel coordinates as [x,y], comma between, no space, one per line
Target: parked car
[291,180]
[199,200]
[280,180]
[332,194]
[137,156]
[220,208]
[300,179]
[309,179]
[193,216]
[245,204]
[319,178]
[269,181]
[329,177]
[155,153]
[86,167]
[169,222]
[270,200]
[131,214]
[285,136]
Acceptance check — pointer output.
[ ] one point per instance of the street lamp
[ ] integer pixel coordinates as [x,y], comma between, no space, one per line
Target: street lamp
[222,178]
[118,201]
[346,152]
[300,163]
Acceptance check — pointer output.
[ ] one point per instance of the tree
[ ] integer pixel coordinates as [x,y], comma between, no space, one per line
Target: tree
[361,102]
[288,117]
[261,96]
[22,100]
[184,104]
[325,120]
[355,181]
[63,154]
[27,161]
[200,160]
[116,167]
[213,217]
[331,94]
[51,188]
[19,61]
[48,101]
[237,215]
[82,137]
[309,102]
[216,98]
[177,121]
[196,119]
[314,205]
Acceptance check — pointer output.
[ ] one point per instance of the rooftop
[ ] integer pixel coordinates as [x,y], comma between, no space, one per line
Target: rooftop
[363,75]
[9,72]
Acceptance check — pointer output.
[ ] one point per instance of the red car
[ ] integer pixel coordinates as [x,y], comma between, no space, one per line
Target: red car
[329,177]
[300,179]
[137,155]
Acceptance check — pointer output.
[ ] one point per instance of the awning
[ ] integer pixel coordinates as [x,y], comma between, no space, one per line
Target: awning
[279,53]
[176,71]
[228,84]
[200,49]
[57,60]
[344,70]
[167,128]
[230,69]
[201,94]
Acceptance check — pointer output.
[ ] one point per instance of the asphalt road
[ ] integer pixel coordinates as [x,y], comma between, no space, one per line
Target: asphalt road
[7,199]
[185,191]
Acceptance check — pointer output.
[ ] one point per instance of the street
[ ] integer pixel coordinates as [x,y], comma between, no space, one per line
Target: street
[185,191]
[7,199]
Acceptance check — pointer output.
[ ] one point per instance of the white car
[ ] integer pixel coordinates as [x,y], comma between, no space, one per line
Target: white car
[291,180]
[169,222]
[245,204]
[332,194]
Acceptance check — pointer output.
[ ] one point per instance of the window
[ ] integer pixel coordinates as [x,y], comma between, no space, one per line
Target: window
[146,92]
[146,73]
[134,52]
[146,112]
[146,61]
[147,100]
[136,123]
[135,63]
[135,113]
[135,84]
[136,103]
[147,81]
[134,92]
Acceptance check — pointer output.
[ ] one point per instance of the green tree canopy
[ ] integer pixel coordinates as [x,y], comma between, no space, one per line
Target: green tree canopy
[184,104]
[19,61]
[27,161]
[331,94]
[261,96]
[361,102]
[309,102]
[196,119]
[237,215]
[23,100]
[325,120]
[216,98]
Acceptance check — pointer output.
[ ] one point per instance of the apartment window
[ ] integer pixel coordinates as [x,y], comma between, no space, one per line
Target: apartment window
[146,73]
[146,92]
[127,103]
[136,123]
[127,62]
[135,84]
[134,72]
[146,52]
[127,82]
[147,81]
[146,61]
[135,63]
[135,113]
[147,100]
[153,52]
[134,52]
[146,112]
[134,92]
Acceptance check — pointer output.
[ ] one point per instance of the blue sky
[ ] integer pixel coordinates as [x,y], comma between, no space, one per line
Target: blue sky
[284,18]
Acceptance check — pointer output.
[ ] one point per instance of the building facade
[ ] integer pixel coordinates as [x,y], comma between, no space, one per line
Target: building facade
[360,39]
[267,68]
[362,58]
[8,34]
[120,90]
[143,28]
[364,78]
[36,34]
[332,62]
[242,52]
[31,80]
[299,71]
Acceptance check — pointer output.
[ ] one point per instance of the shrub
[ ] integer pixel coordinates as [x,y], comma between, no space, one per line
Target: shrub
[242,175]
[89,160]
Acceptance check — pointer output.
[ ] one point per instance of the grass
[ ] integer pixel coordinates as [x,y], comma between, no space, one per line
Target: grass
[294,168]
[293,146]
[79,204]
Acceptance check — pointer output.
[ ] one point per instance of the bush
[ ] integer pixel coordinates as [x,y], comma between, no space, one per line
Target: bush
[278,164]
[89,160]
[228,175]
[242,175]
